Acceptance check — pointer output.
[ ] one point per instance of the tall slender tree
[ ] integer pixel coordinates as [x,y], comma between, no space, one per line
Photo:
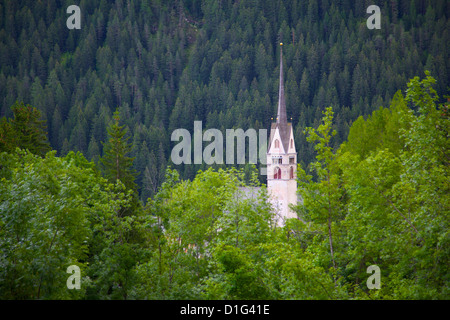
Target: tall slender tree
[116,164]
[322,200]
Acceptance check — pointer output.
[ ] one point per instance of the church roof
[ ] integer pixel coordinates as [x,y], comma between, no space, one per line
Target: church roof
[284,139]
[283,126]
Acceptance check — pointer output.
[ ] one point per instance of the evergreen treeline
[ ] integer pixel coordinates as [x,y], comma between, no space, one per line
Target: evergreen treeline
[381,199]
[164,64]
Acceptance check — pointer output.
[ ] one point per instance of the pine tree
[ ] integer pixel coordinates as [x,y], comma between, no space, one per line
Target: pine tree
[25,131]
[116,164]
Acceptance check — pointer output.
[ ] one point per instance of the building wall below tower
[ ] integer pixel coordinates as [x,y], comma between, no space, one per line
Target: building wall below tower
[282,193]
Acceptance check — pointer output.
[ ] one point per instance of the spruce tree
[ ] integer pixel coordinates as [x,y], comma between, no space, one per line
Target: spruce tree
[116,163]
[26,131]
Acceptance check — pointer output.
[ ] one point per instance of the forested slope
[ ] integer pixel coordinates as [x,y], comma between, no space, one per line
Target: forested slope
[164,64]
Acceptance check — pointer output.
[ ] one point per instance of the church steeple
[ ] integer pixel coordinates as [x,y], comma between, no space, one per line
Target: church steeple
[281,115]
[282,159]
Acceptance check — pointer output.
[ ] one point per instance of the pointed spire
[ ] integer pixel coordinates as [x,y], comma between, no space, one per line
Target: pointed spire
[281,116]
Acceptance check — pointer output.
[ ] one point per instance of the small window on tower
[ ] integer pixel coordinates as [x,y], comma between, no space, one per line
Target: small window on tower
[277,160]
[277,143]
[291,160]
[291,173]
[292,143]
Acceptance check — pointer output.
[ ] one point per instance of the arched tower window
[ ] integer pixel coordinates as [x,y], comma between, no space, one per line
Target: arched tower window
[292,143]
[291,173]
[277,173]
[277,143]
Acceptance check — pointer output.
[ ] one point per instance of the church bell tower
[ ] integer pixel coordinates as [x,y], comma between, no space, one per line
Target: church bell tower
[282,160]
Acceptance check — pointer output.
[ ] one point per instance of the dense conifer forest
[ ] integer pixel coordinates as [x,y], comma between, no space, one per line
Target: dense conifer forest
[85,144]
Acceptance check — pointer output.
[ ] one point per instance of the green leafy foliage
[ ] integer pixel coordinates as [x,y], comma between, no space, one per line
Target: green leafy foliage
[398,196]
[44,225]
[322,200]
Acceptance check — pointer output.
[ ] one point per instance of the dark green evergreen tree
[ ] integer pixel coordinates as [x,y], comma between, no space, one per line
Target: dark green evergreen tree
[116,164]
[26,130]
